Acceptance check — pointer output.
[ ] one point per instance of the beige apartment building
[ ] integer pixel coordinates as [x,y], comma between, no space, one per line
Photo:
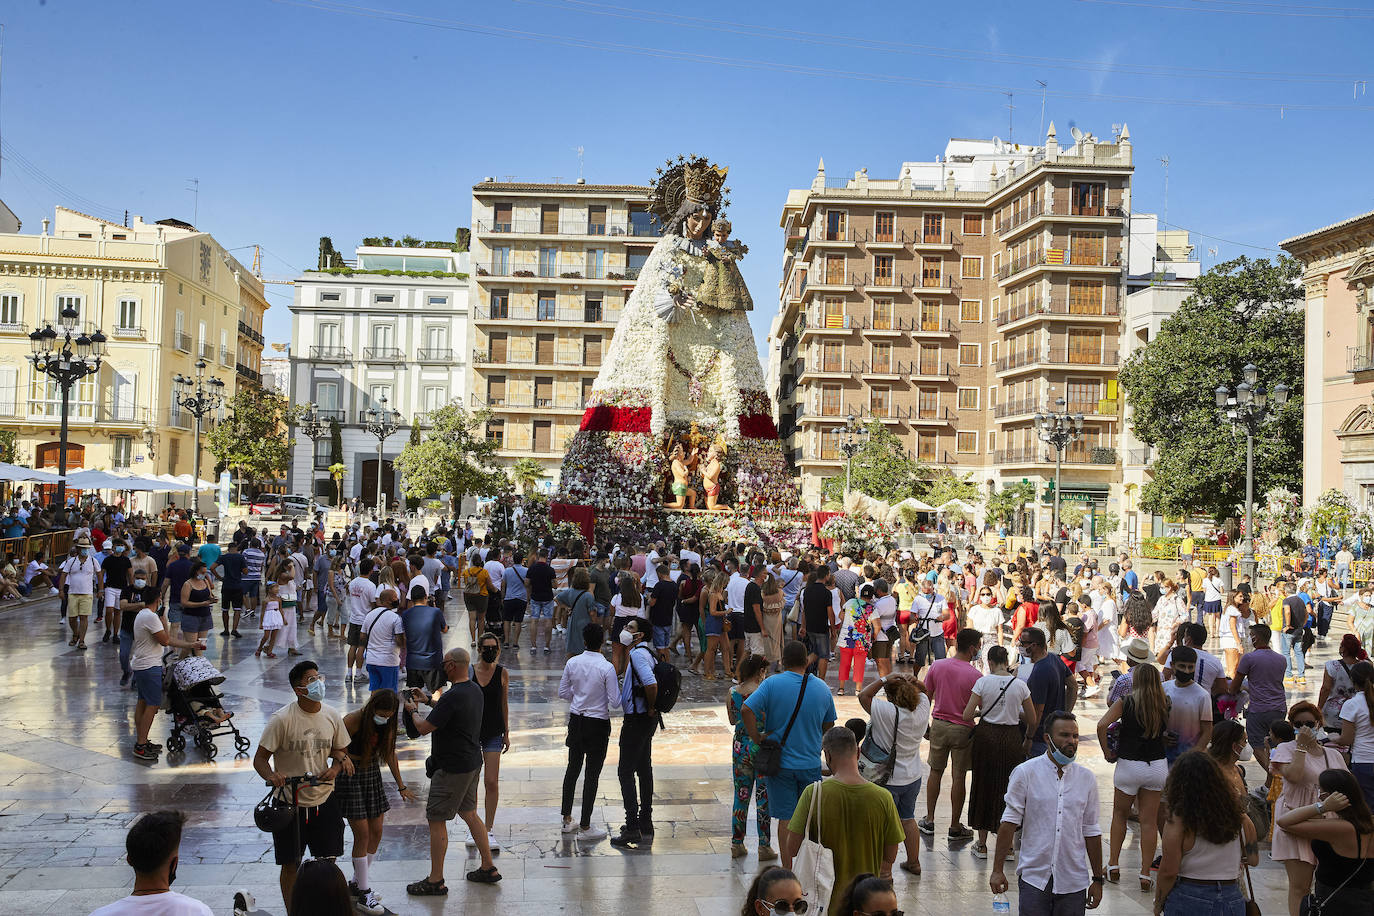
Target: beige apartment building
[953,303]
[552,265]
[165,294]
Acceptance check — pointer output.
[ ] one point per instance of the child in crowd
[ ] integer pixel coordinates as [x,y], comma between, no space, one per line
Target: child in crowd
[271,621]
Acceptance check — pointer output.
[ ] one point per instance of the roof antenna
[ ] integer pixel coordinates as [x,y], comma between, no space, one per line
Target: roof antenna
[1164,161]
[580,177]
[195,211]
[1043,86]
[1011,115]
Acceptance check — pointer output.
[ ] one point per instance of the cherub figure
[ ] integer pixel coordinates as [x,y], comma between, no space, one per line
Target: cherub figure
[710,476]
[684,496]
[723,286]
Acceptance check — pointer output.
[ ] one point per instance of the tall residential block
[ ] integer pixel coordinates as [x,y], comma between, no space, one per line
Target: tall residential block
[167,296]
[552,267]
[953,303]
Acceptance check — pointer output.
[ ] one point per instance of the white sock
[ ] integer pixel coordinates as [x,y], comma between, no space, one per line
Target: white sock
[360,873]
[371,857]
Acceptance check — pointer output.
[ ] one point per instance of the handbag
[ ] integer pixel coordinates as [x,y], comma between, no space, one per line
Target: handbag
[1251,907]
[874,765]
[768,758]
[814,864]
[1311,906]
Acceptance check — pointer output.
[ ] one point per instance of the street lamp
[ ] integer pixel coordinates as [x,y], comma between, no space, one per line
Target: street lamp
[1057,429]
[66,356]
[1250,407]
[381,422]
[314,428]
[853,437]
[198,396]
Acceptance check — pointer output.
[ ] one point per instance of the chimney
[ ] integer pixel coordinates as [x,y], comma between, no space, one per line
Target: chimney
[1051,144]
[818,183]
[45,225]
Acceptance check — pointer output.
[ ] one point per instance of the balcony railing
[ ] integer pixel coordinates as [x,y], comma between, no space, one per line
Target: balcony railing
[1015,408]
[1358,359]
[434,355]
[182,341]
[1062,258]
[524,402]
[483,357]
[207,351]
[1140,456]
[1058,356]
[525,313]
[78,412]
[383,354]
[251,374]
[250,333]
[565,227]
[1108,307]
[559,270]
[330,414]
[331,354]
[934,370]
[127,333]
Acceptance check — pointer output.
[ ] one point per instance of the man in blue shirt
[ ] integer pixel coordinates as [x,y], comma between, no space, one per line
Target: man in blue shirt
[424,626]
[638,692]
[516,596]
[1130,582]
[766,714]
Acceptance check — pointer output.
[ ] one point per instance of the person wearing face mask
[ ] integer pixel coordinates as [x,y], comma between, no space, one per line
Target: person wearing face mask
[775,892]
[152,849]
[1053,800]
[114,577]
[1360,614]
[301,739]
[384,638]
[1300,762]
[231,569]
[638,692]
[494,680]
[372,742]
[76,578]
[142,594]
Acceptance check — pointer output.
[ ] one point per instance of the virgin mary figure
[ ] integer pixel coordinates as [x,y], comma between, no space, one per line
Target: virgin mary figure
[681,365]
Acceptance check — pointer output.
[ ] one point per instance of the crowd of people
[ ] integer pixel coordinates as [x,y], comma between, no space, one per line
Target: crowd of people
[978,665]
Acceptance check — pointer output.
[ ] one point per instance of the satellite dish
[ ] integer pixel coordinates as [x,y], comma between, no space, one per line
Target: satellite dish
[997,144]
[1077,134]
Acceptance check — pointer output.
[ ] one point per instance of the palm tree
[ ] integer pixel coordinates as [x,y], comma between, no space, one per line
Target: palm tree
[337,472]
[526,473]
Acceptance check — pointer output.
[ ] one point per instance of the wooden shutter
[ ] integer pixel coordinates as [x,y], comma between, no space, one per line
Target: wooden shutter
[543,435]
[496,389]
[544,349]
[497,347]
[591,350]
[548,219]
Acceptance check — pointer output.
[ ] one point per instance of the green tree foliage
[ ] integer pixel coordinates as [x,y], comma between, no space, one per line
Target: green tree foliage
[337,470]
[1006,502]
[251,441]
[329,255]
[455,457]
[882,469]
[525,473]
[945,485]
[9,440]
[335,442]
[1240,312]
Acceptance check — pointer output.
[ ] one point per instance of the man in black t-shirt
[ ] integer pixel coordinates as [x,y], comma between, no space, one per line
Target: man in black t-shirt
[1056,563]
[114,575]
[758,636]
[231,568]
[456,759]
[539,581]
[662,599]
[817,605]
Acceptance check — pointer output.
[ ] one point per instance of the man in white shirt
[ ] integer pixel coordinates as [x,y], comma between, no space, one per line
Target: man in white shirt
[589,683]
[689,554]
[385,637]
[1053,799]
[885,610]
[928,612]
[362,597]
[151,849]
[78,575]
[651,566]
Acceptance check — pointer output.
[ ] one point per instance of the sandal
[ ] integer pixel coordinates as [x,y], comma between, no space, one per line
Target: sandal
[912,867]
[427,888]
[1113,873]
[1147,882]
[484,875]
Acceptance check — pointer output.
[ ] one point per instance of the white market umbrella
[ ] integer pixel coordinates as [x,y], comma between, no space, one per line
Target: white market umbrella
[958,504]
[15,473]
[184,482]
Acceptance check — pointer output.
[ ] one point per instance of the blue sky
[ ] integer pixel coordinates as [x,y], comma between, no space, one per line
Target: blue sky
[306,118]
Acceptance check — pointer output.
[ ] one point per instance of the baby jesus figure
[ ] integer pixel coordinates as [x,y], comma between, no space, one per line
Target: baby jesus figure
[723,286]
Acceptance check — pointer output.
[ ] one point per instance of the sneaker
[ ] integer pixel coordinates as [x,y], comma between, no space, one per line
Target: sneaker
[493,843]
[144,752]
[1093,691]
[547,650]
[590,834]
[767,853]
[980,850]
[926,826]
[52,591]
[105,637]
[226,633]
[570,826]
[533,650]
[960,833]
[626,839]
[368,902]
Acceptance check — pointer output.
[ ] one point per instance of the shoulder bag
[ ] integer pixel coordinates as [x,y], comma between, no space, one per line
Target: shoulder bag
[814,864]
[768,758]
[1311,906]
[874,765]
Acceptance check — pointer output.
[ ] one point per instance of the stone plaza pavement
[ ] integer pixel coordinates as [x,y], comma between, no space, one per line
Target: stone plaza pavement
[69,787]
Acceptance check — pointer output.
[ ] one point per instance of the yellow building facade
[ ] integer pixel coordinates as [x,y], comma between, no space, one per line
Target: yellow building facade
[166,296]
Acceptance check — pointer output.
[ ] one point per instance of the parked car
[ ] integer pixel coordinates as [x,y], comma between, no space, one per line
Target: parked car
[297,506]
[265,504]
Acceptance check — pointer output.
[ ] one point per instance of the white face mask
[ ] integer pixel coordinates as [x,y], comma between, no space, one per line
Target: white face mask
[1247,753]
[626,638]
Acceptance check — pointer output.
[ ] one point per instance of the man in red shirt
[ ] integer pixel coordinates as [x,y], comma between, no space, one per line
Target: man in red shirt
[950,683]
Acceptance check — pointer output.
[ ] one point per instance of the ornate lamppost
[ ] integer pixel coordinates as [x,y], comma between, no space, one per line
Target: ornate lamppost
[199,396]
[853,437]
[381,422]
[67,356]
[1249,407]
[314,428]
[1057,429]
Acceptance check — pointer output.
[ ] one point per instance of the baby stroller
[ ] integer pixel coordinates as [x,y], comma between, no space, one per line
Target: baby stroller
[195,708]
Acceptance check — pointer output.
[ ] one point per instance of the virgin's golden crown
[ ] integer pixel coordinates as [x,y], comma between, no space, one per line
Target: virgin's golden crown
[704,182]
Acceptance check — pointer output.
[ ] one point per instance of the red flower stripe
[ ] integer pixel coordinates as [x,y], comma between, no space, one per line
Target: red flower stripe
[757,426]
[606,418]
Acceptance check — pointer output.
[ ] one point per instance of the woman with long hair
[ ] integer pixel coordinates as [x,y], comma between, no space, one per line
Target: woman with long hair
[1300,763]
[1205,833]
[1230,748]
[494,733]
[1337,687]
[1057,636]
[372,741]
[1027,612]
[748,784]
[1342,845]
[716,610]
[1235,631]
[999,745]
[984,614]
[688,610]
[1140,765]
[626,605]
[774,890]
[1357,730]
[772,619]
[867,894]
[900,716]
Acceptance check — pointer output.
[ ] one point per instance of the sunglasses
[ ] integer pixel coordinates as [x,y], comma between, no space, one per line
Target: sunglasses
[1307,723]
[783,907]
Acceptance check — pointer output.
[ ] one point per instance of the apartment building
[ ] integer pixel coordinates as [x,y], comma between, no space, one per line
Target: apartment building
[552,267]
[955,302]
[167,296]
[391,323]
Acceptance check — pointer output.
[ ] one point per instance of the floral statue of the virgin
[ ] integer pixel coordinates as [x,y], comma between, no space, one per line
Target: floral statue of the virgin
[682,369]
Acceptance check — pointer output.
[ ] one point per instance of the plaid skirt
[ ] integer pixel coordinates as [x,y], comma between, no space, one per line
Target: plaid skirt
[361,795]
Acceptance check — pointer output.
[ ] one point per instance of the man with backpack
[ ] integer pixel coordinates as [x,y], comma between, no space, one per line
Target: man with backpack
[638,698]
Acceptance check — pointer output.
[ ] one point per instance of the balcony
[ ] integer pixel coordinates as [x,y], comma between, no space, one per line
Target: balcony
[1358,359]
[1058,356]
[1079,453]
[45,412]
[1024,406]
[1050,309]
[326,415]
[525,403]
[1140,457]
[561,228]
[250,333]
[207,351]
[434,355]
[224,357]
[490,360]
[815,320]
[834,282]
[926,371]
[383,355]
[252,375]
[127,333]
[182,341]
[525,313]
[1056,211]
[331,354]
[556,273]
[1058,259]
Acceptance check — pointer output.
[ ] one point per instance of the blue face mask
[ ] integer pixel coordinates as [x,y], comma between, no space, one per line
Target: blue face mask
[315,690]
[380,721]
[1058,756]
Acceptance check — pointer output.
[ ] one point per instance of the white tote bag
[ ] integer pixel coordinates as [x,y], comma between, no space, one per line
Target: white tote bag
[814,864]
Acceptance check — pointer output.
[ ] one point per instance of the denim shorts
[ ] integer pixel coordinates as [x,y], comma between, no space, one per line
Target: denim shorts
[148,681]
[493,744]
[250,588]
[662,635]
[905,797]
[786,788]
[174,612]
[541,610]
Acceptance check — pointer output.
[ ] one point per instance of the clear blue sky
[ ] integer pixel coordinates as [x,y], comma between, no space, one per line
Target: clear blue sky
[303,119]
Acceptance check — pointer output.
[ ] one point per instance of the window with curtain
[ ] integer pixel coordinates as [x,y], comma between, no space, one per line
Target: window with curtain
[882,314]
[882,358]
[884,226]
[128,313]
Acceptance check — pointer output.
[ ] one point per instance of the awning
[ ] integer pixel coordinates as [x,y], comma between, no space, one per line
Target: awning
[18,474]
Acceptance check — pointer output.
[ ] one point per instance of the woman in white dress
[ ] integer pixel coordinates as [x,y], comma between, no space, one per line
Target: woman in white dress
[1170,610]
[1235,631]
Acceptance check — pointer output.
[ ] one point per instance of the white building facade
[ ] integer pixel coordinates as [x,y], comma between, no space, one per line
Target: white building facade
[361,335]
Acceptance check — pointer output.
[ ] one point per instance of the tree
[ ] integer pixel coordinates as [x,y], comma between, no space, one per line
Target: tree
[1239,312]
[947,485]
[9,441]
[335,442]
[455,458]
[337,471]
[526,473]
[881,468]
[329,255]
[1004,505]
[252,439]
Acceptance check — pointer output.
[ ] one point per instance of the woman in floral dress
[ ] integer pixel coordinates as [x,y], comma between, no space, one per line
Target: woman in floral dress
[856,638]
[747,782]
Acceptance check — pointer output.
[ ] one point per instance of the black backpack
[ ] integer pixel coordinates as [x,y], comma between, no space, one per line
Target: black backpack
[669,681]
